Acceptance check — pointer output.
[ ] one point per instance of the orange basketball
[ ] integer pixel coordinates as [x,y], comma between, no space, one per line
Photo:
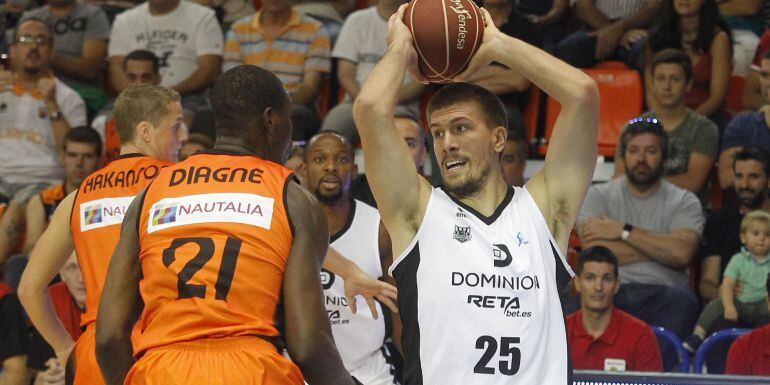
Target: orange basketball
[446,35]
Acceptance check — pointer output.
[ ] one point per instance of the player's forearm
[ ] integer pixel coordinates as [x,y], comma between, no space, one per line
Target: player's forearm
[114,353]
[338,264]
[37,303]
[321,364]
[571,87]
[379,93]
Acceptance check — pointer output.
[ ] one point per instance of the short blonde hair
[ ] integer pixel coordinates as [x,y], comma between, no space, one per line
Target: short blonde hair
[756,216]
[141,103]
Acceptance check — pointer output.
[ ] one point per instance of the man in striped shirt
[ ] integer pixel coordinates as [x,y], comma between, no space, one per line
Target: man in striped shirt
[294,47]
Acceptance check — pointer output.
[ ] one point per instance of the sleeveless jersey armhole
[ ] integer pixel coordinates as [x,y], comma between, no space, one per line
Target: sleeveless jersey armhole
[541,221]
[416,238]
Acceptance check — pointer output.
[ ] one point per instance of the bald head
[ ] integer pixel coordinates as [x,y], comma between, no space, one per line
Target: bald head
[329,167]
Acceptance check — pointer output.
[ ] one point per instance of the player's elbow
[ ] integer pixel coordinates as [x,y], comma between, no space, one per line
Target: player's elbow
[28,290]
[108,337]
[586,91]
[308,352]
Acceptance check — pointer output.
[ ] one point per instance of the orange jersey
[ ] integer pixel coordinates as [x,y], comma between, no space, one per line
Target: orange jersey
[214,238]
[97,214]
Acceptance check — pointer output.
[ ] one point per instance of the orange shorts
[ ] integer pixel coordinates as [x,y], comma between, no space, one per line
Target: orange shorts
[83,359]
[220,361]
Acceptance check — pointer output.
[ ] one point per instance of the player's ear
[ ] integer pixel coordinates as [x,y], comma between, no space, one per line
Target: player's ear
[499,136]
[269,117]
[355,171]
[144,131]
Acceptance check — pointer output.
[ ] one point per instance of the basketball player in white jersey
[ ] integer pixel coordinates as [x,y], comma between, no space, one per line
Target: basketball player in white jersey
[479,264]
[357,234]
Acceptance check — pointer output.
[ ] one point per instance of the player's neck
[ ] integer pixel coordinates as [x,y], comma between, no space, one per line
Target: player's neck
[236,145]
[337,213]
[595,322]
[489,197]
[130,148]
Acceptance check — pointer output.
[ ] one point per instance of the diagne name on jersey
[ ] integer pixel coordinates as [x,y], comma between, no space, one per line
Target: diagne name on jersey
[193,175]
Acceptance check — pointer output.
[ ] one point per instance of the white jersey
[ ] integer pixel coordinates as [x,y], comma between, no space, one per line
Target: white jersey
[357,336]
[479,296]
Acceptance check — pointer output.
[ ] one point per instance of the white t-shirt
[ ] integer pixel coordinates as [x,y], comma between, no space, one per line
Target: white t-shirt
[178,38]
[28,150]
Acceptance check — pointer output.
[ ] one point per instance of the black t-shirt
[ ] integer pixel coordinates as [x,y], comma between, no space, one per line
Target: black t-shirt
[14,340]
[721,236]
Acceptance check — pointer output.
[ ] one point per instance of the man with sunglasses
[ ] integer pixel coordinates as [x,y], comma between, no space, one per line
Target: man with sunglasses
[652,226]
[36,112]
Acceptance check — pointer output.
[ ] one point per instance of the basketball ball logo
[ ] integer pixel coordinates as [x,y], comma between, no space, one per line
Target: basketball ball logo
[445,46]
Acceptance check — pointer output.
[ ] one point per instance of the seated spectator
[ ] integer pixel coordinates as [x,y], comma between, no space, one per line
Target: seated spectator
[36,112]
[693,140]
[608,26]
[513,161]
[746,129]
[80,157]
[744,19]
[750,354]
[139,67]
[411,130]
[14,341]
[80,38]
[600,336]
[721,239]
[653,227]
[186,38]
[68,298]
[293,46]
[359,47]
[752,96]
[697,28]
[195,142]
[547,16]
[749,269]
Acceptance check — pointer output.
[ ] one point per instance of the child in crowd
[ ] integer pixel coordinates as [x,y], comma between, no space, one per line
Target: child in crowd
[749,268]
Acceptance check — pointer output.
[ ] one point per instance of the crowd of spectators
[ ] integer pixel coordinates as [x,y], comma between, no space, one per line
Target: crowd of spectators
[657,246]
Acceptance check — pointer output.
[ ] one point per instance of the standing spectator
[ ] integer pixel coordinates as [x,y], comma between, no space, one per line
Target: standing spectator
[751,167]
[608,24]
[14,342]
[653,227]
[749,268]
[697,28]
[513,161]
[750,354]
[548,17]
[753,96]
[293,46]
[600,336]
[747,129]
[745,21]
[186,38]
[139,67]
[36,112]
[80,38]
[693,140]
[359,47]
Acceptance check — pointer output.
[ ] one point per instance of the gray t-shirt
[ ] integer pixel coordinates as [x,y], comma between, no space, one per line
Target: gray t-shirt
[84,22]
[669,208]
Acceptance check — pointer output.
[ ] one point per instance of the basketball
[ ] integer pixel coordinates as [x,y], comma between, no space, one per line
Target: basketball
[446,35]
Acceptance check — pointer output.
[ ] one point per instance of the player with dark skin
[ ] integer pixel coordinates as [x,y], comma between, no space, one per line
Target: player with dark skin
[306,329]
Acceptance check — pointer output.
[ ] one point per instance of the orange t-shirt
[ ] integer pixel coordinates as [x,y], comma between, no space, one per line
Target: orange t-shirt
[51,197]
[214,238]
[97,214]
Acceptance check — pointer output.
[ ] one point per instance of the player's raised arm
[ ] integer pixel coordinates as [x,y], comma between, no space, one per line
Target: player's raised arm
[308,334]
[401,193]
[559,188]
[120,303]
[46,259]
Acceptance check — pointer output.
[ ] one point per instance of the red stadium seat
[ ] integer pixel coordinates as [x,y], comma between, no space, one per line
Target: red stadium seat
[611,65]
[531,114]
[620,99]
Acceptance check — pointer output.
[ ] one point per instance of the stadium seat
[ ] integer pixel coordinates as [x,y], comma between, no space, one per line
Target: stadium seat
[531,115]
[711,341]
[664,334]
[734,101]
[620,99]
[610,65]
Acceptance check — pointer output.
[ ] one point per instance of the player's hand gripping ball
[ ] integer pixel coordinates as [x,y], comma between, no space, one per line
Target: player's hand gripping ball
[446,35]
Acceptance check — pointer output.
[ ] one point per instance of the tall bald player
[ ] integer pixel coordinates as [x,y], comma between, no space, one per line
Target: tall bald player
[357,234]
[479,266]
[150,125]
[219,260]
